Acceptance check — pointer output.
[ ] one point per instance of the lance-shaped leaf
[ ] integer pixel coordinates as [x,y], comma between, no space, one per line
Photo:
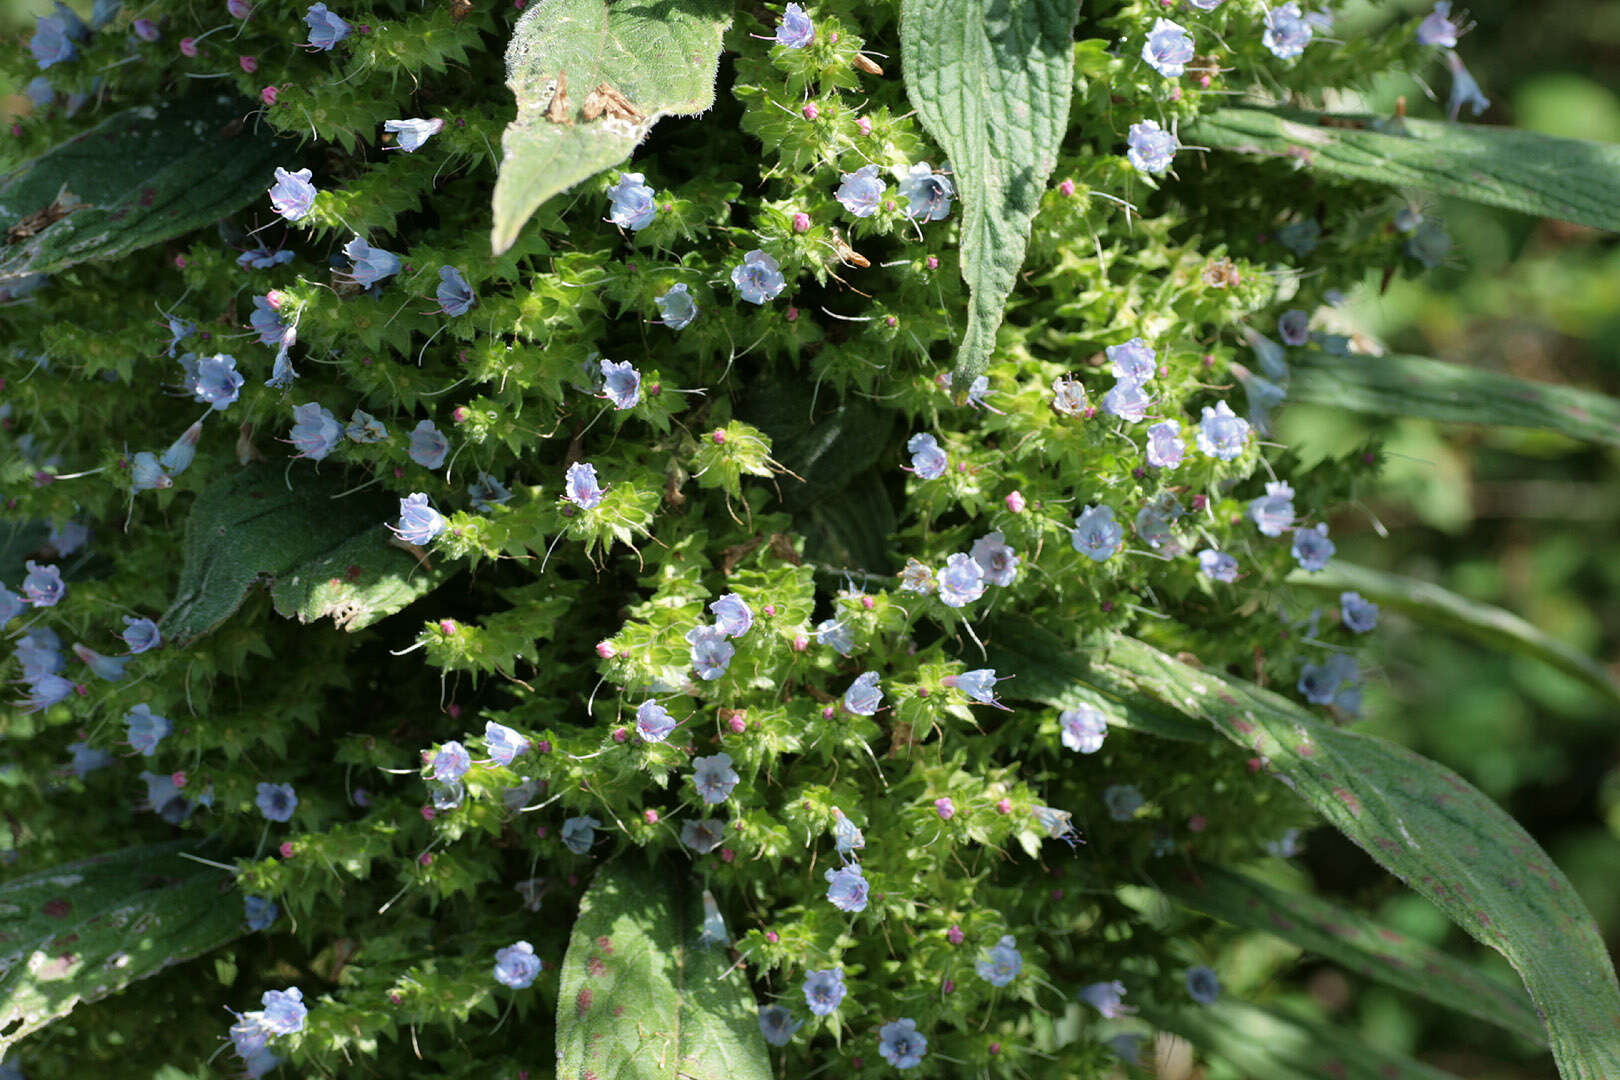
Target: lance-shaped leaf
[1434,606]
[1572,179]
[642,998]
[322,554]
[136,179]
[1430,828]
[1271,1045]
[591,78]
[1396,385]
[991,82]
[1356,942]
[79,932]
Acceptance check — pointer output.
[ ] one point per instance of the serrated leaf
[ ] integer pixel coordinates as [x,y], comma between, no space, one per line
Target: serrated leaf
[1267,1044]
[79,932]
[641,998]
[1355,942]
[991,82]
[136,179]
[1395,385]
[1572,179]
[1426,825]
[660,56]
[1434,606]
[323,555]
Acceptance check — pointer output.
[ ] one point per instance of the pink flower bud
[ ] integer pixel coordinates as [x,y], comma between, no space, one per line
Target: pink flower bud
[146,29]
[868,603]
[425,858]
[865,125]
[800,643]
[801,222]
[179,260]
[995,1048]
[454,710]
[188,46]
[286,849]
[932,262]
[1197,823]
[1015,501]
[772,936]
[428,813]
[239,9]
[810,110]
[1004,806]
[891,321]
[738,723]
[1203,81]
[726,854]
[178,779]
[954,935]
[828,713]
[447,626]
[945,808]
[769,610]
[460,413]
[605,650]
[620,734]
[651,816]
[791,313]
[543,746]
[250,64]
[948,986]
[718,437]
[1067,188]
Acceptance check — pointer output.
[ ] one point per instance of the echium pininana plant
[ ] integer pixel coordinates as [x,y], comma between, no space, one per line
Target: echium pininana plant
[833,539]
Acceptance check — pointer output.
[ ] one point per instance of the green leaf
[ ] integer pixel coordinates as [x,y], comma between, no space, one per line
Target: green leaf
[322,554]
[79,932]
[854,531]
[1356,942]
[1572,179]
[991,82]
[1434,606]
[642,998]
[138,178]
[1266,1044]
[1430,828]
[660,56]
[1396,385]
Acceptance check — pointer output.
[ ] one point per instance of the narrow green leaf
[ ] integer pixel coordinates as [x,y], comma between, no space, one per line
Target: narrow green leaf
[323,555]
[1271,1045]
[79,932]
[1434,606]
[1430,828]
[1396,385]
[991,82]
[591,78]
[642,998]
[1572,179]
[1356,942]
[136,179]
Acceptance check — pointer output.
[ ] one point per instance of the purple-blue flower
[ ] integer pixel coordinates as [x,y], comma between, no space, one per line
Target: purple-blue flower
[1312,548]
[710,651]
[1273,512]
[486,493]
[1107,998]
[45,690]
[676,307]
[653,722]
[1437,27]
[261,913]
[428,446]
[1155,522]
[847,888]
[1149,148]
[581,487]
[292,195]
[369,265]
[54,36]
[758,277]
[1084,728]
[1294,327]
[261,258]
[276,801]
[1068,397]
[365,428]
[419,523]
[39,653]
[703,836]
[714,777]
[836,636]
[516,965]
[1287,31]
[1221,434]
[732,615]
[795,31]
[411,134]
[928,193]
[213,380]
[146,729]
[979,685]
[110,668]
[1164,446]
[579,833]
[284,1011]
[632,202]
[621,382]
[1096,534]
[85,759]
[1202,985]
[861,191]
[1319,683]
[1003,963]
[901,1044]
[11,605]
[996,558]
[778,1025]
[325,28]
[1127,400]
[1134,361]
[1358,614]
[824,990]
[928,460]
[42,586]
[1217,566]
[503,743]
[1464,90]
[315,431]
[713,930]
[1168,48]
[864,695]
[847,836]
[961,582]
[455,296]
[267,321]
[1123,801]
[451,762]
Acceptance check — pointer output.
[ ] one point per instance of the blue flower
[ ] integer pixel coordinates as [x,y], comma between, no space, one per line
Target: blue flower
[824,990]
[836,636]
[732,615]
[653,722]
[632,202]
[164,798]
[40,92]
[1429,243]
[978,685]
[11,605]
[1464,90]
[1155,522]
[864,695]
[778,1025]
[70,536]
[178,457]
[1202,985]
[1003,964]
[621,382]
[455,296]
[1285,846]
[276,801]
[38,653]
[758,278]
[1287,32]
[369,265]
[179,330]
[261,913]
[847,888]
[54,37]
[579,833]
[1128,1046]
[714,777]
[365,428]
[676,307]
[516,965]
[87,759]
[928,461]
[1149,148]
[413,133]
[1437,27]
[996,558]
[428,447]
[703,836]
[1096,534]
[451,762]
[1300,237]
[325,28]
[1217,566]
[1127,400]
[847,837]
[795,31]
[447,794]
[1134,361]
[710,651]
[581,487]
[419,523]
[315,431]
[146,729]
[213,380]
[261,258]
[1205,5]
[110,668]
[1320,683]
[1294,327]
[1358,614]
[861,191]
[1068,397]
[1164,446]
[1312,548]
[901,1044]
[961,582]
[1123,801]
[266,321]
[486,493]
[42,586]
[917,578]
[1168,48]
[1084,728]
[503,743]
[284,1010]
[713,930]
[1107,998]
[45,690]
[293,195]
[1221,434]
[928,194]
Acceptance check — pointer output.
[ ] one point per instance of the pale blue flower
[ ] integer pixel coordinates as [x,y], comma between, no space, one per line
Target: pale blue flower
[1168,49]
[267,321]
[284,1010]
[1127,400]
[486,493]
[581,487]
[758,277]
[864,695]
[1068,397]
[928,194]
[653,722]
[292,195]
[713,930]
[451,762]
[1217,566]
[1358,614]
[1464,90]
[86,759]
[703,836]
[213,380]
[714,777]
[11,605]
[516,966]
[1429,243]
[1287,31]
[1286,846]
[1318,683]
[1096,534]
[42,586]
[1003,963]
[621,382]
[1164,446]
[861,193]
[179,330]
[446,795]
[1202,985]
[419,523]
[45,690]
[917,578]
[428,447]
[180,454]
[676,307]
[824,990]
[261,258]
[847,836]
[42,94]
[1273,512]
[455,296]
[315,431]
[901,1044]
[1155,522]
[795,31]
[110,668]
[1134,361]
[579,833]
[503,744]
[1149,148]
[928,460]
[632,202]
[1221,434]
[732,615]
[1123,801]
[778,1025]
[961,582]
[847,888]
[1312,548]
[1300,237]
[1084,728]
[1294,327]
[979,685]
[277,801]
[70,536]
[413,133]
[1107,998]
[836,636]
[996,558]
[369,265]
[325,28]
[261,913]
[54,37]
[710,651]
[146,729]
[365,428]
[1437,27]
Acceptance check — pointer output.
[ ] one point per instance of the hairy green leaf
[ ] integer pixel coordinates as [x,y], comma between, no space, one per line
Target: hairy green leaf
[79,932]
[1430,828]
[1356,942]
[1434,606]
[642,998]
[1271,1045]
[991,81]
[136,179]
[1572,179]
[323,555]
[591,78]
[1396,385]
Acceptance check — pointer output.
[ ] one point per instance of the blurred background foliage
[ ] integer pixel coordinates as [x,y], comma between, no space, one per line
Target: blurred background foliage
[1526,521]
